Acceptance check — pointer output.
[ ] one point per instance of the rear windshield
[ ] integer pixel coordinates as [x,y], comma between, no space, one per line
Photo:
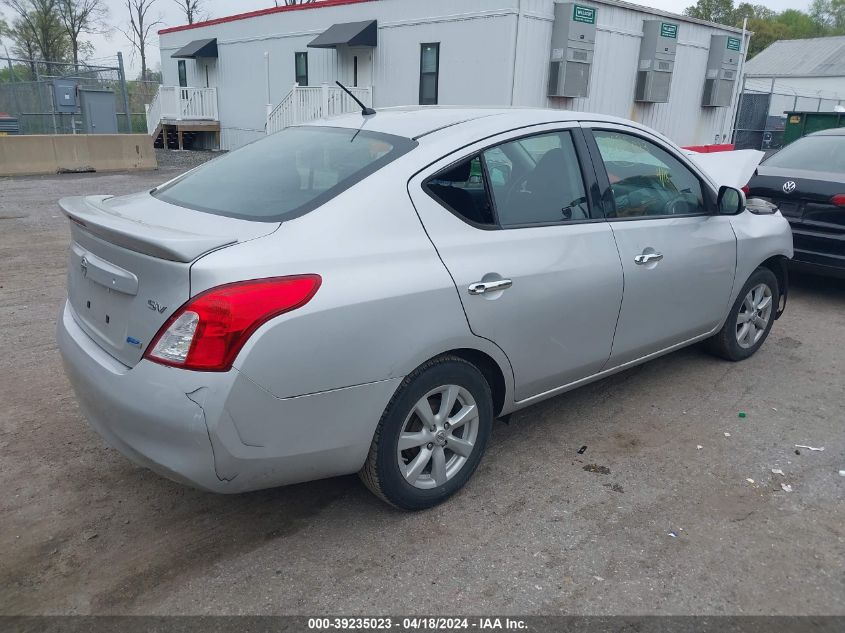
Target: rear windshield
[284,175]
[812,153]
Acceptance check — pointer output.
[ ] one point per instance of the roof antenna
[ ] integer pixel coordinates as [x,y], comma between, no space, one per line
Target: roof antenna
[364,109]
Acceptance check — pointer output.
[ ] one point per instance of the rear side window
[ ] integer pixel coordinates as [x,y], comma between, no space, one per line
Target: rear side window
[537,180]
[462,188]
[285,175]
[529,181]
[812,153]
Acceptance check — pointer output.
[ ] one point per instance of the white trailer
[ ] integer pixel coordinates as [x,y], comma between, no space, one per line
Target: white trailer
[251,74]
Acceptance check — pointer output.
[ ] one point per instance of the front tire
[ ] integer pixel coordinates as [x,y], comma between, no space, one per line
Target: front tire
[750,320]
[431,436]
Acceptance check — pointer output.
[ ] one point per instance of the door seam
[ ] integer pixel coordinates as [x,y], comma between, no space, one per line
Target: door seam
[621,302]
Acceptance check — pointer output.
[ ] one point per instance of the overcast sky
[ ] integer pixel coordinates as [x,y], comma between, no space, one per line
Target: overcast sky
[108,45]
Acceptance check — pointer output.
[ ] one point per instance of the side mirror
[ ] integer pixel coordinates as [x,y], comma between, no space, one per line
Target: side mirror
[731,201]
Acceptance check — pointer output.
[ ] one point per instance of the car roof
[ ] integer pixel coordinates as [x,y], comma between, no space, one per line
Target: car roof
[836,131]
[418,121]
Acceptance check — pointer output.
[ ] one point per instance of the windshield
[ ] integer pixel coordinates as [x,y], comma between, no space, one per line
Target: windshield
[284,175]
[812,153]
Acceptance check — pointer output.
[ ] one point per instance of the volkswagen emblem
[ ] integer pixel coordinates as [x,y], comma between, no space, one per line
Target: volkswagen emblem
[789,186]
[83,264]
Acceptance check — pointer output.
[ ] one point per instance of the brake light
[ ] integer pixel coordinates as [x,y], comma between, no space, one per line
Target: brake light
[207,332]
[838,200]
[746,190]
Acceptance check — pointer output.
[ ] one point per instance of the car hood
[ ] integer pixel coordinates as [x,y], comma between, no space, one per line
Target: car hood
[733,169]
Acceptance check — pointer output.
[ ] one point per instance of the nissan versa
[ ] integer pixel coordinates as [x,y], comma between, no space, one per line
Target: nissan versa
[366,294]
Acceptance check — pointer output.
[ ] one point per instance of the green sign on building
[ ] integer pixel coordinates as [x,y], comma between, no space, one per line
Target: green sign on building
[587,15]
[668,30]
[733,44]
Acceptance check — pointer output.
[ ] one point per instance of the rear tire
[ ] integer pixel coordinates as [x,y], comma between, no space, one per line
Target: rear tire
[442,415]
[750,319]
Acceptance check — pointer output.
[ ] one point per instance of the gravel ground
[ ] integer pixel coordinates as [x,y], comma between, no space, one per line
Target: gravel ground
[656,517]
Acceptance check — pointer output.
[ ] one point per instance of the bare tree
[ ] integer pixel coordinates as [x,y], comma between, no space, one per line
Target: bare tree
[141,26]
[81,16]
[194,10]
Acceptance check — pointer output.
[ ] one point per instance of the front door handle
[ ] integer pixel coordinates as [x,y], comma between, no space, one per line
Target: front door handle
[481,287]
[647,258]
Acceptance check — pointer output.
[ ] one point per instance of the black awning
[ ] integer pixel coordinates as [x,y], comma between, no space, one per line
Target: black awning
[348,33]
[198,48]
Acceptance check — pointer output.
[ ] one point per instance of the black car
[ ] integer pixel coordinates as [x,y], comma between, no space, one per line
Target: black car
[806,181]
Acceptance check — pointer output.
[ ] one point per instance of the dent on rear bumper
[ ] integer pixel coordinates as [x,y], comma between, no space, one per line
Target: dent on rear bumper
[219,431]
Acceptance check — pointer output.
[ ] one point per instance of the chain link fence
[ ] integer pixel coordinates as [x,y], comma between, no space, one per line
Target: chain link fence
[761,113]
[27,93]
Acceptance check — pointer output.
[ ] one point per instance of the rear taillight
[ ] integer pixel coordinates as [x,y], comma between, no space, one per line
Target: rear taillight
[207,333]
[838,200]
[746,190]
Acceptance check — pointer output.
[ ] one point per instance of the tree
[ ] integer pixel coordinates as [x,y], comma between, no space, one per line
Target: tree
[193,9]
[720,11]
[830,13]
[141,26]
[752,12]
[826,17]
[78,17]
[39,30]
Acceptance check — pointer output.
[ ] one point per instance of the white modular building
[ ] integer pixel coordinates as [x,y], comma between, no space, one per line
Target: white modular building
[231,80]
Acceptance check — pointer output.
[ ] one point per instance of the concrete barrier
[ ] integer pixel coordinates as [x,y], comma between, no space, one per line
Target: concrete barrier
[36,154]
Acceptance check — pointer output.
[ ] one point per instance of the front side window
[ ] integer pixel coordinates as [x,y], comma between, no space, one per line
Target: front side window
[301,64]
[537,180]
[646,180]
[429,74]
[286,174]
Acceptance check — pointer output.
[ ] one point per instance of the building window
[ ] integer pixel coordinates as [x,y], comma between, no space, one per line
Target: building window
[429,73]
[355,71]
[301,63]
[183,74]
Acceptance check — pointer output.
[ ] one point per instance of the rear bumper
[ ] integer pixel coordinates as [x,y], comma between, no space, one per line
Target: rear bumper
[818,250]
[219,431]
[802,266]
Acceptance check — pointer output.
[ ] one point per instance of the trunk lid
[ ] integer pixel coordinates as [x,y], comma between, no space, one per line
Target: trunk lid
[130,261]
[808,201]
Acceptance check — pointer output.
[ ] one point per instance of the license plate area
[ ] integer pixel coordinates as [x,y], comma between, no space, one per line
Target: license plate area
[788,208]
[97,293]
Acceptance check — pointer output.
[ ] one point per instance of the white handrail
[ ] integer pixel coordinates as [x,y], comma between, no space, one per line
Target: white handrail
[176,103]
[307,103]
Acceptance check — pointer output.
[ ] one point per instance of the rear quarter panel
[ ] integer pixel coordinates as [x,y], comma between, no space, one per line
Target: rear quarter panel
[385,306]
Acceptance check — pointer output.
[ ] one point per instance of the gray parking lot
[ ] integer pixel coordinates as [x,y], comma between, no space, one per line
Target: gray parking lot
[673,507]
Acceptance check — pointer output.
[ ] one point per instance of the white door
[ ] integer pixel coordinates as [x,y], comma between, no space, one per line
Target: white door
[678,255]
[534,263]
[356,66]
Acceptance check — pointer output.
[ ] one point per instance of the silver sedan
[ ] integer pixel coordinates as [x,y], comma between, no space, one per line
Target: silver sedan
[367,294]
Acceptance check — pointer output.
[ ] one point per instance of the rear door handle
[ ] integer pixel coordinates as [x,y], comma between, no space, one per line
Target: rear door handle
[647,258]
[481,287]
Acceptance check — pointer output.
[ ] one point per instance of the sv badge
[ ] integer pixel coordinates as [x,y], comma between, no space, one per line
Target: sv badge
[154,305]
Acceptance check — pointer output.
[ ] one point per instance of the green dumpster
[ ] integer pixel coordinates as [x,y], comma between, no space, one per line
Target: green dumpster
[800,124]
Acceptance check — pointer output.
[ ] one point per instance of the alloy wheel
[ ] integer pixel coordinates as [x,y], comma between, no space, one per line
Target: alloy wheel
[754,315]
[438,436]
